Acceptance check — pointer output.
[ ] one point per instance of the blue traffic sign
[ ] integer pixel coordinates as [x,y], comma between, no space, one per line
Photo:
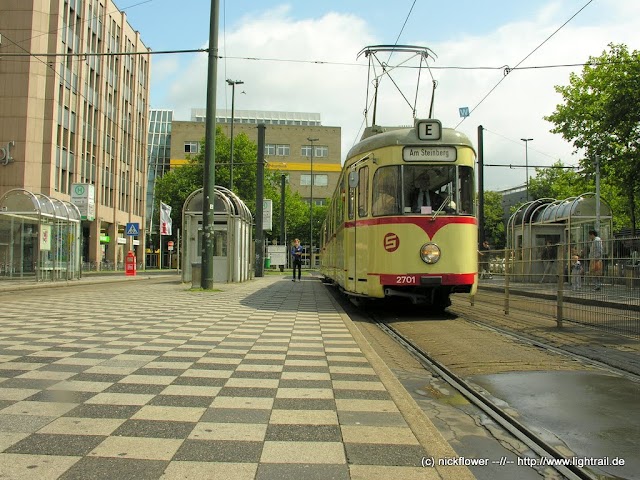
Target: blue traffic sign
[133,229]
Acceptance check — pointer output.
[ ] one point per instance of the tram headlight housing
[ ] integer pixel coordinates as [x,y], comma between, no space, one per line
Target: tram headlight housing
[430,253]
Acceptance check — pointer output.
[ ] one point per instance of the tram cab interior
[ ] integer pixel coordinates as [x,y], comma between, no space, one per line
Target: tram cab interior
[422,189]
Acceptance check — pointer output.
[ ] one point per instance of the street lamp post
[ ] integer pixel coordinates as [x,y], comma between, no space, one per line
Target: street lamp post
[526,161]
[311,204]
[233,84]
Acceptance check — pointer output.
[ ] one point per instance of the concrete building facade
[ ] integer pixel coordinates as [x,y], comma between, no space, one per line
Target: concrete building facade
[74,99]
[287,148]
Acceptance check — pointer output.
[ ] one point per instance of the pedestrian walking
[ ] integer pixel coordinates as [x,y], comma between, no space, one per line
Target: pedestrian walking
[296,256]
[595,259]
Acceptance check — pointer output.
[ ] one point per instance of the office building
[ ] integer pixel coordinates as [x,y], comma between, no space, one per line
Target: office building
[287,148]
[79,117]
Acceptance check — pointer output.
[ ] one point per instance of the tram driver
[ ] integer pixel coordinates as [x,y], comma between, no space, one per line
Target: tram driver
[425,195]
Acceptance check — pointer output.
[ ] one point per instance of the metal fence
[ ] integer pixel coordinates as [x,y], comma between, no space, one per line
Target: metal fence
[568,285]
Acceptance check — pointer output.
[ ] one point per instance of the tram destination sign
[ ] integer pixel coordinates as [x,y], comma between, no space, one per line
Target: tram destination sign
[422,153]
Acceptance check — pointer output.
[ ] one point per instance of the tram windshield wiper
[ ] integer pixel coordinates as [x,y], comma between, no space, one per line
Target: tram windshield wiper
[441,207]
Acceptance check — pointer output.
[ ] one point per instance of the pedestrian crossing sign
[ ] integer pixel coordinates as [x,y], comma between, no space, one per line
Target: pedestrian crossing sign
[133,229]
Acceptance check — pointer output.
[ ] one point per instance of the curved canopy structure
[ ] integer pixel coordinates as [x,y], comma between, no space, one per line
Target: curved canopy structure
[39,237]
[233,246]
[559,222]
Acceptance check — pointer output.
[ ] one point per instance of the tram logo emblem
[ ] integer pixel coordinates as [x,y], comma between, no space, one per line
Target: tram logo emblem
[391,242]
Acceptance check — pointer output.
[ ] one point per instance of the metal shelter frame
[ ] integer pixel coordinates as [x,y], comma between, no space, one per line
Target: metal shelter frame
[232,230]
[566,221]
[39,237]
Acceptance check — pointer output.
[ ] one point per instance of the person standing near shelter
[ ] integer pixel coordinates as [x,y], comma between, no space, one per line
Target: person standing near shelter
[576,273]
[549,253]
[595,259]
[485,248]
[296,256]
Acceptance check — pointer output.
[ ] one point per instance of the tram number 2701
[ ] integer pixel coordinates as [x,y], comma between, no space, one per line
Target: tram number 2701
[406,280]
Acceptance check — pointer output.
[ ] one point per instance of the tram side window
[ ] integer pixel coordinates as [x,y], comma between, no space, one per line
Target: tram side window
[363,191]
[386,191]
[340,204]
[466,183]
[352,201]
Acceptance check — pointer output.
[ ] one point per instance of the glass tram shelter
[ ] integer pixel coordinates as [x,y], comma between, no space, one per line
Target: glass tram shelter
[564,223]
[232,238]
[39,237]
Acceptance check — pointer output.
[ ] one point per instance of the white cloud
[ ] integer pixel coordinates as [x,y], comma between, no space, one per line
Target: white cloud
[513,111]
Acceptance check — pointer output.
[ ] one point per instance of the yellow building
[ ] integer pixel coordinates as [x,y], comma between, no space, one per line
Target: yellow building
[287,145]
[79,117]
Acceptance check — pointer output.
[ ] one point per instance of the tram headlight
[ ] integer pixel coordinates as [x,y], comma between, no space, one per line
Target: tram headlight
[430,253]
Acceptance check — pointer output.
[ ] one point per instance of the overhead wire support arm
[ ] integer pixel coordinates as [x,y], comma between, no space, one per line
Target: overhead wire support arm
[372,52]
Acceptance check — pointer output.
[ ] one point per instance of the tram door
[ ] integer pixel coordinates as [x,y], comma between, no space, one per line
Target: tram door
[351,236]
[362,235]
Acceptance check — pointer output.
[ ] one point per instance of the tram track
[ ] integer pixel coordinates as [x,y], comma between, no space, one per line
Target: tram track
[541,448]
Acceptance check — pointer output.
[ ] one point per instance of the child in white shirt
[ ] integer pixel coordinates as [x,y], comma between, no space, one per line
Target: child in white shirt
[576,273]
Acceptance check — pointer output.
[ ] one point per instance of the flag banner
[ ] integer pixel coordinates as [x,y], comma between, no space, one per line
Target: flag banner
[165,219]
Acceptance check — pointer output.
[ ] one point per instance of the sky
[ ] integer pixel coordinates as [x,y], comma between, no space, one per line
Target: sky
[303,56]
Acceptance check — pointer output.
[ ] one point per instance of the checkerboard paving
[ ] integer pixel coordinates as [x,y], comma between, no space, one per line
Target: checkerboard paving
[151,380]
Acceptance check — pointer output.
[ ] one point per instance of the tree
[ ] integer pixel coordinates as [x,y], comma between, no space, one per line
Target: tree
[558,183]
[494,223]
[176,185]
[601,114]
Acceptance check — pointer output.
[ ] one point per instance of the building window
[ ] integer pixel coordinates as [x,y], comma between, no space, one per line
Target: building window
[191,147]
[282,150]
[321,180]
[270,149]
[320,151]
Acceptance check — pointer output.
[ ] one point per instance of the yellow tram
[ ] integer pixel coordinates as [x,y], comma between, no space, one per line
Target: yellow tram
[401,221]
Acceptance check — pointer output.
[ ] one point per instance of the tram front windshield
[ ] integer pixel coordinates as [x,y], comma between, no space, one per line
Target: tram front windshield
[423,189]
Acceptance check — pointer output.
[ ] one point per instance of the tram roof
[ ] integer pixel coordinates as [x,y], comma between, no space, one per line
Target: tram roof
[378,137]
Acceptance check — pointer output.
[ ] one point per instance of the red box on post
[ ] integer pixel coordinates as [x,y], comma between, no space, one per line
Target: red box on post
[130,264]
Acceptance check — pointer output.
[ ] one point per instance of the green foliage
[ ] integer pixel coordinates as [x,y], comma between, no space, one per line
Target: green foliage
[560,183]
[601,114]
[494,225]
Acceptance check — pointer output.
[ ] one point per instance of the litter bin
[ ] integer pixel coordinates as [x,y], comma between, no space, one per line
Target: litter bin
[267,262]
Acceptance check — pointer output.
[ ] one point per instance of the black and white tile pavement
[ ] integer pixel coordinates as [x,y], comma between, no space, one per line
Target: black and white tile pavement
[150,380]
